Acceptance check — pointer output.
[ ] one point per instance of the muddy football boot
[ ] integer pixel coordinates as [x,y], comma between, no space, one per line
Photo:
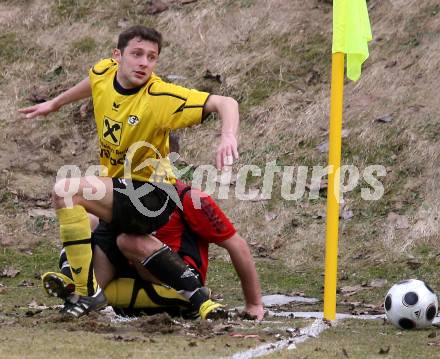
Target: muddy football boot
[212,310]
[57,285]
[208,309]
[79,305]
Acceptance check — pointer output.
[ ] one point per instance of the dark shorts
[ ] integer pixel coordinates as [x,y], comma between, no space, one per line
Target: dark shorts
[141,213]
[104,236]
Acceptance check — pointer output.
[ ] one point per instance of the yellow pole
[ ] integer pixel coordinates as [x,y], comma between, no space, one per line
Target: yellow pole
[335,139]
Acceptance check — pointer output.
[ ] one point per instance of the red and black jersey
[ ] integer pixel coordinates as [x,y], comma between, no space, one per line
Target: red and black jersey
[189,232]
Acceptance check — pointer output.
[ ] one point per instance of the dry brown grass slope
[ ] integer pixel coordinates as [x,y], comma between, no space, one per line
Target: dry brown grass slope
[274,57]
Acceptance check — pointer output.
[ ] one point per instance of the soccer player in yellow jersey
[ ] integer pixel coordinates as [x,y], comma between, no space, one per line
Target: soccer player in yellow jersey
[134,112]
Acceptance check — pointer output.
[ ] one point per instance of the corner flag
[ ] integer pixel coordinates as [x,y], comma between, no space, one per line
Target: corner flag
[351,33]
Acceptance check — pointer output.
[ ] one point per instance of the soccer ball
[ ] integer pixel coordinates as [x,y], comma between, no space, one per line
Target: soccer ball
[411,304]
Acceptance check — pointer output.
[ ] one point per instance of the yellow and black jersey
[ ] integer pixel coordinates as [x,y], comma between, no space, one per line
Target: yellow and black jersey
[133,125]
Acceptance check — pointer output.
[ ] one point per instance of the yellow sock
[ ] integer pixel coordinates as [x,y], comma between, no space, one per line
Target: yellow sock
[131,293]
[76,239]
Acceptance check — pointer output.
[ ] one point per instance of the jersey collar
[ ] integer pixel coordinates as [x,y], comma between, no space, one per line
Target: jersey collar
[123,91]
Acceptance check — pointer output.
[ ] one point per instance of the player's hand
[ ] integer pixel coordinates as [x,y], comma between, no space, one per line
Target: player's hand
[42,109]
[256,311]
[226,152]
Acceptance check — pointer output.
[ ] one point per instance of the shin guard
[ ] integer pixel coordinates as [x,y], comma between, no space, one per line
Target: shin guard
[170,269]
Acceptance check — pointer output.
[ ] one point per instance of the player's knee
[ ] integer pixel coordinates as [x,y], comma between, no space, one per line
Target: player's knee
[130,246]
[137,247]
[124,244]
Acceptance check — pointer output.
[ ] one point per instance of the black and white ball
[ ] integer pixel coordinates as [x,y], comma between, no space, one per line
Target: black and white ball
[411,304]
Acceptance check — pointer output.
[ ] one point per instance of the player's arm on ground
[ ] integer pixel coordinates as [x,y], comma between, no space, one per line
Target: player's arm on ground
[227,109]
[75,93]
[245,267]
[211,225]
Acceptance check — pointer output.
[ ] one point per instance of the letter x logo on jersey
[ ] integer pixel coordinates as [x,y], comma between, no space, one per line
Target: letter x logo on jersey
[112,131]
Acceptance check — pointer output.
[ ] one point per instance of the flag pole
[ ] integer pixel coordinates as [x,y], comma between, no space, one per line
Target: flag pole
[332,228]
[351,33]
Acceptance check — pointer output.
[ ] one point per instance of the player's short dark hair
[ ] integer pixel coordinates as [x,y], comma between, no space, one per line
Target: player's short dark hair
[145,33]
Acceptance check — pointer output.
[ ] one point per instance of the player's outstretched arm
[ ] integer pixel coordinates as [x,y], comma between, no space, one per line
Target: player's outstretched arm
[244,265]
[75,93]
[227,109]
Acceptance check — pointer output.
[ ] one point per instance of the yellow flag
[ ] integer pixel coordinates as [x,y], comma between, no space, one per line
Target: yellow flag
[351,33]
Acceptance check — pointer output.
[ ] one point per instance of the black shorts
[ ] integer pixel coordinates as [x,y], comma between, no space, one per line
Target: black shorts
[104,237]
[141,213]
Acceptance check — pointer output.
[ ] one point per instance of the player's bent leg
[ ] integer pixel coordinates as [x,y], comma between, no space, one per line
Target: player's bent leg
[93,193]
[105,271]
[132,297]
[105,261]
[135,293]
[70,200]
[162,263]
[170,269]
[76,239]
[79,305]
[137,247]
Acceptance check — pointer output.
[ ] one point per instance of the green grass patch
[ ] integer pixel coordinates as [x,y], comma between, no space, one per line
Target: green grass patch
[14,48]
[364,271]
[86,44]
[246,3]
[39,224]
[429,128]
[56,74]
[44,257]
[30,265]
[304,57]
[415,26]
[292,62]
[275,277]
[10,202]
[97,337]
[367,339]
[74,9]
[402,191]
[243,4]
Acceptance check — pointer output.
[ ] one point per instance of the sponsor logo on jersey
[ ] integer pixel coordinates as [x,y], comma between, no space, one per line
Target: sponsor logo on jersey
[133,120]
[112,131]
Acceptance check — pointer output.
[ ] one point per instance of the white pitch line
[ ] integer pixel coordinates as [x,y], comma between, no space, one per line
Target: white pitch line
[280,299]
[311,331]
[320,315]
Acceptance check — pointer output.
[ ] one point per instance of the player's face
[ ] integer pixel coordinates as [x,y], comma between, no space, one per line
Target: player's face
[136,62]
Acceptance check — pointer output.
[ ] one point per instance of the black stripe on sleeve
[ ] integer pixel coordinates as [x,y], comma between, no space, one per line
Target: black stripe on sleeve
[103,71]
[164,94]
